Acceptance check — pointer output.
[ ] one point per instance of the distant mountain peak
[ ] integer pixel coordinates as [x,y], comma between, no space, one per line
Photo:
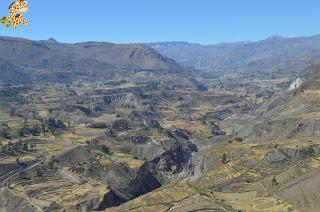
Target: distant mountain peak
[50,40]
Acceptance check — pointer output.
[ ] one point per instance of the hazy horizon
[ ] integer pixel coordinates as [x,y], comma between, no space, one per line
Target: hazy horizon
[208,22]
[168,41]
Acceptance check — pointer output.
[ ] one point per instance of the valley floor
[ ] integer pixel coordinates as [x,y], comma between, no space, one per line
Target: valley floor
[132,147]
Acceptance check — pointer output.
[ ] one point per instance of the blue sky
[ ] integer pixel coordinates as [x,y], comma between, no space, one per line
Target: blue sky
[200,21]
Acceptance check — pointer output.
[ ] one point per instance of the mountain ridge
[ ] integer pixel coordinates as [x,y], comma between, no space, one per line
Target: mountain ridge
[268,56]
[88,58]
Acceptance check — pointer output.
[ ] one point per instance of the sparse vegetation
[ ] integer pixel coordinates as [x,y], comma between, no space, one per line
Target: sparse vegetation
[156,139]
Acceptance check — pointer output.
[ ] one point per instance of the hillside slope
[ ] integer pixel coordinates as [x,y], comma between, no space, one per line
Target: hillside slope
[52,60]
[292,114]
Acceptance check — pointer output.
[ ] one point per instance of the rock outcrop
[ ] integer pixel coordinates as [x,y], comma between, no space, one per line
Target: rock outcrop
[126,184]
[296,83]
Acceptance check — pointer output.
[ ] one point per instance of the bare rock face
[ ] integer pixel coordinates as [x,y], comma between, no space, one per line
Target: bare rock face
[148,151]
[194,169]
[126,184]
[163,159]
[110,199]
[175,156]
[296,84]
[10,202]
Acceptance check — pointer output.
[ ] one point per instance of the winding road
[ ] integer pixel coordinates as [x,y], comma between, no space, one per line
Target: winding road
[14,174]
